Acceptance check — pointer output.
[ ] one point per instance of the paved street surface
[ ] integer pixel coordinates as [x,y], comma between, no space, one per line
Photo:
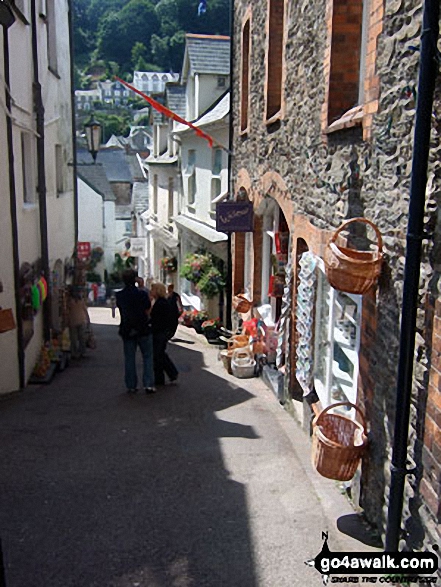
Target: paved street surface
[205,484]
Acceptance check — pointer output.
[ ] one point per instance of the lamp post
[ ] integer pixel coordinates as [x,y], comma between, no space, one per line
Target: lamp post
[93,136]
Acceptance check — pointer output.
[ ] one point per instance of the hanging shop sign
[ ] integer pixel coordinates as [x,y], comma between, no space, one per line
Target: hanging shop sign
[138,247]
[83,250]
[234,217]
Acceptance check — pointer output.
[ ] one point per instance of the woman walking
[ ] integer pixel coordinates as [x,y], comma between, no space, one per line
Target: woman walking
[162,316]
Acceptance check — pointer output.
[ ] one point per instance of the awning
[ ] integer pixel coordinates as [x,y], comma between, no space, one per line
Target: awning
[206,232]
[166,238]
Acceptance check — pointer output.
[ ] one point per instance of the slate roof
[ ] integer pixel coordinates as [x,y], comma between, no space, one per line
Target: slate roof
[140,196]
[95,177]
[208,53]
[214,114]
[176,98]
[113,160]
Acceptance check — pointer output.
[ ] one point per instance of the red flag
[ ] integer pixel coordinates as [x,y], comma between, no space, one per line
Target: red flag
[169,113]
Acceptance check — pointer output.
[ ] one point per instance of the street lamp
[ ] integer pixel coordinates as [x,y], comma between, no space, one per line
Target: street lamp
[93,136]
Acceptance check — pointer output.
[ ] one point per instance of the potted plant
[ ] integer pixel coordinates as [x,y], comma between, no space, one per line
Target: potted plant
[211,283]
[169,264]
[198,317]
[186,318]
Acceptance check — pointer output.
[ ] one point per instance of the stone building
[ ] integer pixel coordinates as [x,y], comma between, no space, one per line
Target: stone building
[324,109]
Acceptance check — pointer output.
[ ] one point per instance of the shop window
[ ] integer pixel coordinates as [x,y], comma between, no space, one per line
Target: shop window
[336,342]
[245,76]
[274,59]
[28,168]
[348,50]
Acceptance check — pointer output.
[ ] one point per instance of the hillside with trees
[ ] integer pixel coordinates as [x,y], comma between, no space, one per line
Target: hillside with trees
[116,37]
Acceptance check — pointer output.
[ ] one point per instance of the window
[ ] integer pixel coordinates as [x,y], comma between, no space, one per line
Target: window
[126,93]
[170,199]
[348,47]
[128,228]
[117,93]
[51,38]
[156,85]
[274,61]
[217,161]
[216,187]
[337,342]
[59,171]
[155,195]
[190,172]
[245,76]
[28,168]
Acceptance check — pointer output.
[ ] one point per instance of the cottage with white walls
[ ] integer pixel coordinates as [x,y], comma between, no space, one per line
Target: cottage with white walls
[37,197]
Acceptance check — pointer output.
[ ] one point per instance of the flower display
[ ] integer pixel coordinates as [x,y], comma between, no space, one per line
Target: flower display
[169,264]
[211,283]
[195,266]
[212,324]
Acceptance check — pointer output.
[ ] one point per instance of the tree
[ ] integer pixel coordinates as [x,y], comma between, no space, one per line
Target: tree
[139,51]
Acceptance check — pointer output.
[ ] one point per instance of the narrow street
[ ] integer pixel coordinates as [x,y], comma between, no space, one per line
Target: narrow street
[206,483]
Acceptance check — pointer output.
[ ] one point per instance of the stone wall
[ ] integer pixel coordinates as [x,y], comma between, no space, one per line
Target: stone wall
[345,174]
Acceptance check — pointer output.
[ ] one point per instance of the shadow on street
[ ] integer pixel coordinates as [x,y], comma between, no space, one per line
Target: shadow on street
[98,488]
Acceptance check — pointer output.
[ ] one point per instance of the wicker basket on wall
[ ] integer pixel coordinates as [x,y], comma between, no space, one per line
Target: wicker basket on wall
[350,270]
[338,443]
[241,304]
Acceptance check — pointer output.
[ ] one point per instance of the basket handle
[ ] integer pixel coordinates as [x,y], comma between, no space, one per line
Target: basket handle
[332,406]
[365,221]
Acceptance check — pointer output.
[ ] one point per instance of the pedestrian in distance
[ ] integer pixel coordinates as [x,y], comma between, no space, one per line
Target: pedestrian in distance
[79,319]
[102,293]
[163,323]
[135,330]
[174,299]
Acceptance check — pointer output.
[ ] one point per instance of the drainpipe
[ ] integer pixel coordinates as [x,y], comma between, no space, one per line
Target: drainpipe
[229,288]
[426,85]
[7,19]
[74,146]
[41,172]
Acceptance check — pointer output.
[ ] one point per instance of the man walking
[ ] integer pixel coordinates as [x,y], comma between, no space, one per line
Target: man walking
[135,330]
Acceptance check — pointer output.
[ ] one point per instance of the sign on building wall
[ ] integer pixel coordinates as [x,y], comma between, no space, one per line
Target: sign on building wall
[138,247]
[83,250]
[234,217]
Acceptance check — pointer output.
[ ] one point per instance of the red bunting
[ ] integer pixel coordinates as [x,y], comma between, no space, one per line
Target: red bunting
[169,113]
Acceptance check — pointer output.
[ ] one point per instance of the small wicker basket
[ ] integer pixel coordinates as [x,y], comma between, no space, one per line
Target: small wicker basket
[241,304]
[350,270]
[338,443]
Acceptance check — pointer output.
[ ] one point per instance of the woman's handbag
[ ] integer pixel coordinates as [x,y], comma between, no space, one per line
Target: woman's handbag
[7,321]
[350,270]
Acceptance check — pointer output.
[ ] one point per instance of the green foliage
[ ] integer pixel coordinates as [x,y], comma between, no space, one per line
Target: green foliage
[206,271]
[143,33]
[113,124]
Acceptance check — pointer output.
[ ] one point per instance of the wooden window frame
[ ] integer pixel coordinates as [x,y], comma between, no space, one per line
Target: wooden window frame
[245,73]
[275,73]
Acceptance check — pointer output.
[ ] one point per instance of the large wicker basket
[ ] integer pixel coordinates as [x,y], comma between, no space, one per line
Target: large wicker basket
[338,443]
[350,270]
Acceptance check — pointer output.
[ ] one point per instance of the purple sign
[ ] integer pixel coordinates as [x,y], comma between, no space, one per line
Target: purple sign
[234,217]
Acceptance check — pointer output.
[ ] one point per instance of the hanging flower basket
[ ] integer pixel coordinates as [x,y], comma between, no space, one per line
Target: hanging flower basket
[169,264]
[211,283]
[195,266]
[350,270]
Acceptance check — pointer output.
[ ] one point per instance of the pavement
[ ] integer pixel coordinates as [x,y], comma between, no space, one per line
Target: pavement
[204,484]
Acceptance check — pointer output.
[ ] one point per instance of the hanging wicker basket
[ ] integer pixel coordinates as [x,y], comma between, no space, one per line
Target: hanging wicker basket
[350,270]
[338,443]
[241,304]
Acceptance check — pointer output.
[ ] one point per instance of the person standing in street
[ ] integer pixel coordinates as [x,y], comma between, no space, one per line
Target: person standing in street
[78,321]
[163,323]
[135,330]
[174,299]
